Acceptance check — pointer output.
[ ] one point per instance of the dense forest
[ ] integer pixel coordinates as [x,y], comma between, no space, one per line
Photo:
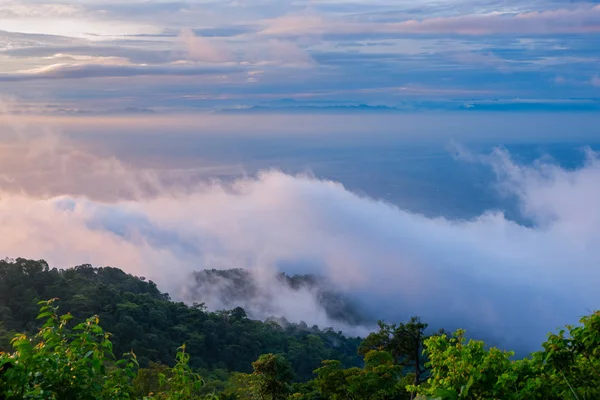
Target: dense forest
[144,320]
[99,333]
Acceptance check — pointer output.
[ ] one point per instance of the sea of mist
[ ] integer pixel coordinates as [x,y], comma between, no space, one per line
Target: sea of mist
[501,239]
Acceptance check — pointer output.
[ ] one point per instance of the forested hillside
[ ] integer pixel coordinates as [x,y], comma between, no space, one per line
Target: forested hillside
[144,320]
[62,349]
[234,287]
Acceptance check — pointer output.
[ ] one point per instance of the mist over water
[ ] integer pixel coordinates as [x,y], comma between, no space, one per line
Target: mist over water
[501,241]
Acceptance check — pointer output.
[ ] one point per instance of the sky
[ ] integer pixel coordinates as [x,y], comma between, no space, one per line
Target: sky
[131,56]
[432,158]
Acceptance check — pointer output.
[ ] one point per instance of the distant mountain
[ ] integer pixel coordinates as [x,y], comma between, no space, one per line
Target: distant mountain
[300,108]
[143,319]
[470,105]
[240,288]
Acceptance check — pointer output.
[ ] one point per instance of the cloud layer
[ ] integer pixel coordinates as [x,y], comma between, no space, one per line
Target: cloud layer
[502,280]
[376,52]
[583,19]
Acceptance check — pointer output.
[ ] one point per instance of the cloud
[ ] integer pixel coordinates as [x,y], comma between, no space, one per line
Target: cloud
[82,71]
[560,80]
[81,59]
[203,49]
[17,41]
[46,164]
[258,52]
[17,10]
[287,53]
[87,49]
[584,19]
[595,81]
[488,274]
[275,52]
[337,46]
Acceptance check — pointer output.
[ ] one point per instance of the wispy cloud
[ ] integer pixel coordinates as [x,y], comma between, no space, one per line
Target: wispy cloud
[300,47]
[204,49]
[578,20]
[10,9]
[83,71]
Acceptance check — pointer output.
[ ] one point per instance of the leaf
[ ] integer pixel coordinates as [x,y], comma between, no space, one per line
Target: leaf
[66,317]
[446,394]
[44,315]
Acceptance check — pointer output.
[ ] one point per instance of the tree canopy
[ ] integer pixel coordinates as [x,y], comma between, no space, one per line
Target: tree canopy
[144,320]
[110,335]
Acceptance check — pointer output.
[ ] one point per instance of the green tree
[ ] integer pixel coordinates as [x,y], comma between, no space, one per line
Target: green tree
[78,364]
[572,359]
[331,381]
[59,364]
[464,369]
[273,374]
[147,322]
[567,368]
[404,342]
[380,379]
[180,383]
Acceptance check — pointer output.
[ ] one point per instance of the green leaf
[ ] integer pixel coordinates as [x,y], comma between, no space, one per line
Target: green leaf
[44,315]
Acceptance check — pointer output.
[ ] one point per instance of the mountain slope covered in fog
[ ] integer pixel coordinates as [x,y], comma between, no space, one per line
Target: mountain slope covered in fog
[225,289]
[145,320]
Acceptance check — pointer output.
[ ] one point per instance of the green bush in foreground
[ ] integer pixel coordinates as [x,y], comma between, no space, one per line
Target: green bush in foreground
[567,368]
[78,363]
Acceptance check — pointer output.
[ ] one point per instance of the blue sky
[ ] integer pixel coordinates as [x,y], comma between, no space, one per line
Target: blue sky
[74,57]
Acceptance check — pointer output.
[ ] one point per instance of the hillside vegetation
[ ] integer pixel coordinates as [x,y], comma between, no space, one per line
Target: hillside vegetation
[55,341]
[144,320]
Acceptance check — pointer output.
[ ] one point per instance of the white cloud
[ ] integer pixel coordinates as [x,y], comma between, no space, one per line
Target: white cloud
[85,59]
[489,273]
[73,20]
[18,10]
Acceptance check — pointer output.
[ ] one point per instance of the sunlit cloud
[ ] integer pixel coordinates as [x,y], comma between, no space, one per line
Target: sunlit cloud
[387,255]
[63,203]
[108,70]
[306,48]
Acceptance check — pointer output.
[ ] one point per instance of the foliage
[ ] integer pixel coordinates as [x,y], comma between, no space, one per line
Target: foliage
[380,379]
[180,382]
[405,343]
[78,364]
[572,359]
[60,364]
[144,320]
[567,368]
[273,375]
[464,369]
[75,361]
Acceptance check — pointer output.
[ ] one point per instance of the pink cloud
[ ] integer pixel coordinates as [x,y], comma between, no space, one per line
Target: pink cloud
[203,49]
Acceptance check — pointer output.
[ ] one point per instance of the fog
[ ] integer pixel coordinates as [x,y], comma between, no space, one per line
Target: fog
[503,281]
